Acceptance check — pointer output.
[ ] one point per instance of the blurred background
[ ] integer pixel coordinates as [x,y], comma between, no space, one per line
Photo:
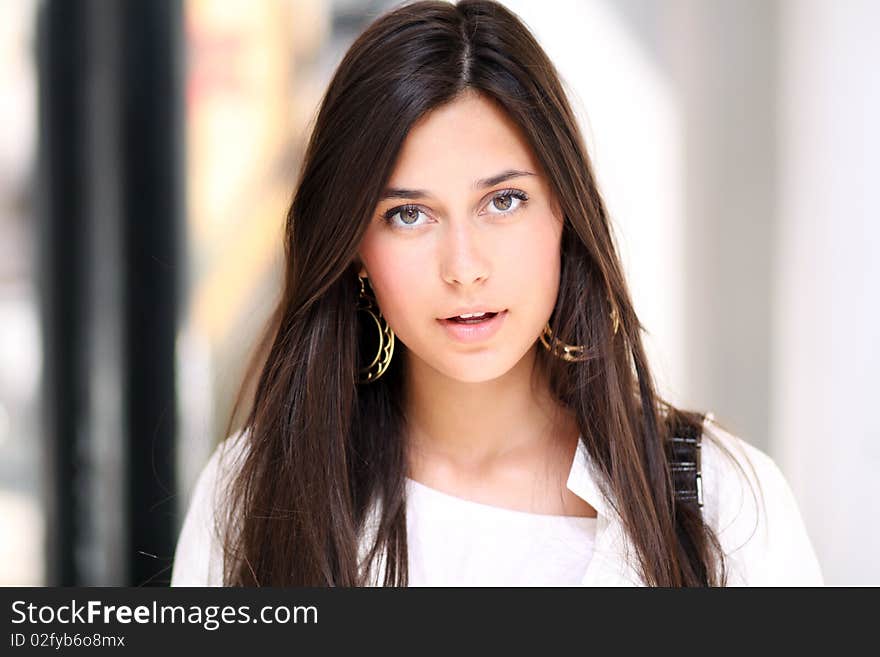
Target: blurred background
[148,152]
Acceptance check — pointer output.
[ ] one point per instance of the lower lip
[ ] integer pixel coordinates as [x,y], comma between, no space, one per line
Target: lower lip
[470,333]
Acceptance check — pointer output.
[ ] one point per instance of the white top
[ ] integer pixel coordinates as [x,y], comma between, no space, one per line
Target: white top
[458,542]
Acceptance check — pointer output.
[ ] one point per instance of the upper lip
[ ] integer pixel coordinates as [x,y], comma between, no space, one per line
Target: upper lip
[471,310]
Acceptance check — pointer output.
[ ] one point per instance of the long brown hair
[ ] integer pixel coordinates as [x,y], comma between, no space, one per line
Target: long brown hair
[321,449]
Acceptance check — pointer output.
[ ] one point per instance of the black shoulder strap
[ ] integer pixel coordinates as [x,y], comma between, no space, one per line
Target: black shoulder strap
[684,451]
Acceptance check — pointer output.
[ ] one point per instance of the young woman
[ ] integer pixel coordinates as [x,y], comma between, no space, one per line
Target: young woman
[453,389]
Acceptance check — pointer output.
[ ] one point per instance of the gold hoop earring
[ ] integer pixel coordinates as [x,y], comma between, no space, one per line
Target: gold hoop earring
[568,352]
[382,359]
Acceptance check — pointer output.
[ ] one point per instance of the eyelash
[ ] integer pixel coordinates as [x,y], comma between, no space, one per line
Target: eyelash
[514,193]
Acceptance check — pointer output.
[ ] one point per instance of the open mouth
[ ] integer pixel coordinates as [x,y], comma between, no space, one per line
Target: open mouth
[478,319]
[470,330]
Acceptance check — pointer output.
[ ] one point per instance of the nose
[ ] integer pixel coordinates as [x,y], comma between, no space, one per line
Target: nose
[463,254]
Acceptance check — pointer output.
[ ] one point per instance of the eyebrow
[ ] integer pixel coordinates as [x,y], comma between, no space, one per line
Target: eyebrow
[398,192]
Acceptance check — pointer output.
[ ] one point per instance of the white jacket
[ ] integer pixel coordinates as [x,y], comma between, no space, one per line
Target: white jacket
[764,545]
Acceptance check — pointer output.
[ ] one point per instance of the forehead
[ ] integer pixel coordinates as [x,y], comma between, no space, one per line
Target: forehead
[467,139]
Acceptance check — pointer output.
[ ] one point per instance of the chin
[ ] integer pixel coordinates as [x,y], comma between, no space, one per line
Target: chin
[476,368]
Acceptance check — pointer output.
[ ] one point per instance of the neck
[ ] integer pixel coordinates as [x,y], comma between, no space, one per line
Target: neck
[476,425]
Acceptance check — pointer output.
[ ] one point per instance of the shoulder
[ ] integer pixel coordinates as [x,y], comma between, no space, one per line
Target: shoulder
[198,556]
[752,509]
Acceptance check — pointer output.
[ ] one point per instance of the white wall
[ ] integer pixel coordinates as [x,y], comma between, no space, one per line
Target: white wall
[827,286]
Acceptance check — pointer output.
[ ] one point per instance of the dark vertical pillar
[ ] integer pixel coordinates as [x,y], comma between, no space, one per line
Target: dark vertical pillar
[151,157]
[110,190]
[63,238]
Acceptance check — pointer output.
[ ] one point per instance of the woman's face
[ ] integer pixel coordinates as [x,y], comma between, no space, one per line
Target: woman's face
[453,241]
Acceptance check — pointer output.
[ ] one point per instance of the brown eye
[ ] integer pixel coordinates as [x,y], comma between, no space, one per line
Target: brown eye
[506,200]
[409,215]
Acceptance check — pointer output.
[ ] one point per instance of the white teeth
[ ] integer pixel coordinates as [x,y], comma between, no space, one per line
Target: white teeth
[469,315]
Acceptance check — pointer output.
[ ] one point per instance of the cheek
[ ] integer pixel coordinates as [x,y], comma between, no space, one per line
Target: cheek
[533,266]
[397,276]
